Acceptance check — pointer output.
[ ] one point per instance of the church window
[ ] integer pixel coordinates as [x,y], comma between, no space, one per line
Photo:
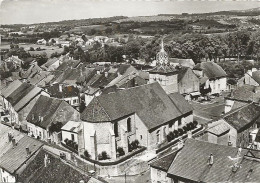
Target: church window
[129,125]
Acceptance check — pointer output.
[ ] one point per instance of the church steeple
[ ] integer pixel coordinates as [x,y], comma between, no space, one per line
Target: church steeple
[162,56]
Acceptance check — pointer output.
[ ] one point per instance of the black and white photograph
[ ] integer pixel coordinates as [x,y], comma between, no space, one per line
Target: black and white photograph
[130,91]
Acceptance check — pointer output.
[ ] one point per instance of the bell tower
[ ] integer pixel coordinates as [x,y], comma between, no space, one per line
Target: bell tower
[163,72]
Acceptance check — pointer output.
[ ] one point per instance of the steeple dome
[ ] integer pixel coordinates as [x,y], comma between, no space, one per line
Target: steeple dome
[162,56]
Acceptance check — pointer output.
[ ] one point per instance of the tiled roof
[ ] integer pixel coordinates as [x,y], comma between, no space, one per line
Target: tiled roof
[5,144]
[149,102]
[211,69]
[71,126]
[192,162]
[68,64]
[180,102]
[17,156]
[57,170]
[256,76]
[246,93]
[52,110]
[164,162]
[183,62]
[45,107]
[243,117]
[22,95]
[67,91]
[219,128]
[33,93]
[11,88]
[164,69]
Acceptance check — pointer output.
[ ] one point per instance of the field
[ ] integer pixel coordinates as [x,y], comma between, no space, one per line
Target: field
[48,49]
[88,28]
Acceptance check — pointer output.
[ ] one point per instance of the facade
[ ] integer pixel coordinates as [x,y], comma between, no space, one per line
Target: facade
[252,77]
[188,82]
[70,131]
[47,117]
[116,119]
[18,99]
[163,73]
[212,77]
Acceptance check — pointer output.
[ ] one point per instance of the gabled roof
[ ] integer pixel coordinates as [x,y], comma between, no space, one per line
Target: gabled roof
[192,162]
[50,62]
[211,69]
[52,110]
[68,64]
[164,162]
[180,102]
[23,94]
[219,128]
[164,69]
[11,88]
[15,157]
[150,102]
[71,126]
[183,62]
[256,76]
[56,170]
[246,93]
[243,117]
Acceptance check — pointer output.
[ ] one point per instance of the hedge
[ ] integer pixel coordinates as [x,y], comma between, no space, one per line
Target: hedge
[70,148]
[116,161]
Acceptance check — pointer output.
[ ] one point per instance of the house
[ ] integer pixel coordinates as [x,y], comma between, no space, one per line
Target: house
[70,131]
[182,62]
[70,94]
[244,119]
[254,139]
[52,64]
[200,161]
[53,169]
[41,41]
[241,96]
[234,128]
[16,150]
[144,113]
[18,99]
[47,117]
[164,73]
[252,77]
[160,167]
[213,77]
[188,83]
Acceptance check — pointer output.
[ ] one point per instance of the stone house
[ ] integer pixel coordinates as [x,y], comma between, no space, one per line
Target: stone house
[47,117]
[144,113]
[213,78]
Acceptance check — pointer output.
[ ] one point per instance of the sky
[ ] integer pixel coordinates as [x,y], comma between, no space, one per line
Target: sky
[38,11]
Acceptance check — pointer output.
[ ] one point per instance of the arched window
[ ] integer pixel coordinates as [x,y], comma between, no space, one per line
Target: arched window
[158,136]
[116,129]
[129,125]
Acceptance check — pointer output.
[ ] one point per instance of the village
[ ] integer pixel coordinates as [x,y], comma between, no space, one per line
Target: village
[131,107]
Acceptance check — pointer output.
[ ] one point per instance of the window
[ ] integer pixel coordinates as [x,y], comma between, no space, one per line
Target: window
[72,137]
[129,127]
[116,129]
[158,173]
[141,137]
[179,122]
[40,134]
[158,136]
[170,124]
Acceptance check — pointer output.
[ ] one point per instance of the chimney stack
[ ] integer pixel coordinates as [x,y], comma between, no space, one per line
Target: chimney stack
[10,137]
[13,142]
[189,134]
[210,160]
[180,144]
[60,88]
[45,160]
[106,74]
[28,151]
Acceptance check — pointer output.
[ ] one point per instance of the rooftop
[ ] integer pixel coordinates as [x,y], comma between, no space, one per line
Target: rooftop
[211,69]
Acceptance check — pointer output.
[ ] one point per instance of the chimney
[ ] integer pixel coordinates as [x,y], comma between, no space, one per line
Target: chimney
[10,137]
[106,74]
[180,144]
[210,161]
[41,118]
[13,142]
[60,88]
[28,151]
[45,160]
[189,134]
